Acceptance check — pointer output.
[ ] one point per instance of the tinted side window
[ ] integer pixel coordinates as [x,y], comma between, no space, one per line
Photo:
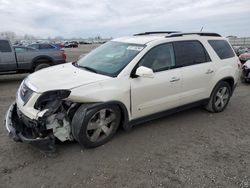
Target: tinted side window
[190,53]
[159,58]
[222,48]
[4,46]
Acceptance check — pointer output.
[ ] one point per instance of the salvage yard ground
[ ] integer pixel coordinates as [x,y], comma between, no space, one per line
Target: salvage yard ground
[192,148]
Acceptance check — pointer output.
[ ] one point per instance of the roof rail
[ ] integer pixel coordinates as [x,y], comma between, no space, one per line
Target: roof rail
[156,32]
[198,33]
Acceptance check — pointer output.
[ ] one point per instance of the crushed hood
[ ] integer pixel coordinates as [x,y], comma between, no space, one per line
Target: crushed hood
[65,76]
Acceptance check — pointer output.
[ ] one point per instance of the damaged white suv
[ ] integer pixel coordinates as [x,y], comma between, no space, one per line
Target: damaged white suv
[122,83]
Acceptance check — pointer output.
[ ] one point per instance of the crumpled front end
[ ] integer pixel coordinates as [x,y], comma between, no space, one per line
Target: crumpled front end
[40,119]
[23,129]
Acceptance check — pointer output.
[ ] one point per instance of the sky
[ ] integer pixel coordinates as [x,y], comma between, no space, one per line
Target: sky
[114,18]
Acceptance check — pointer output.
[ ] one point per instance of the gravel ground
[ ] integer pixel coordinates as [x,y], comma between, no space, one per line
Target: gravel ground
[192,148]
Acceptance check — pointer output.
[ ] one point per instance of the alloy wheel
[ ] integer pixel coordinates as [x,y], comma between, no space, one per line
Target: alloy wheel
[101,125]
[221,98]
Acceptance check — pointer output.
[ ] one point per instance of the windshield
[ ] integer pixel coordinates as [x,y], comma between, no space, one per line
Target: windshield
[110,58]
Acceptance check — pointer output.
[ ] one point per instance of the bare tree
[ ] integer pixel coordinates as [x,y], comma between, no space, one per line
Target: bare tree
[29,37]
[8,35]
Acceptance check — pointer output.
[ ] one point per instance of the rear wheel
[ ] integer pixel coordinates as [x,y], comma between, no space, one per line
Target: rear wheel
[41,66]
[219,98]
[96,126]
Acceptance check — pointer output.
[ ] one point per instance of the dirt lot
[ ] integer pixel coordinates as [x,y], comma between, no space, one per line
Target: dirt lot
[189,149]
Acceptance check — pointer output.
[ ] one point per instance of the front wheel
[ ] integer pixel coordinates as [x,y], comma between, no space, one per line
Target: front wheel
[219,98]
[95,127]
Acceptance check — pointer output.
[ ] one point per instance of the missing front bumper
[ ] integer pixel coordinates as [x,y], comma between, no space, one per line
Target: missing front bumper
[19,132]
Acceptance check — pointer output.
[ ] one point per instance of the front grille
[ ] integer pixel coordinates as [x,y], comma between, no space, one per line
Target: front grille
[27,122]
[25,93]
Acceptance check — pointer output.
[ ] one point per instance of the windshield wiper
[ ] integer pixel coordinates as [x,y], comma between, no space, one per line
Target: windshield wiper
[75,64]
[88,68]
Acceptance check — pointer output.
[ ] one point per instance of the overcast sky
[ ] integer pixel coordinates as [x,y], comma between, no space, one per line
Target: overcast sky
[88,18]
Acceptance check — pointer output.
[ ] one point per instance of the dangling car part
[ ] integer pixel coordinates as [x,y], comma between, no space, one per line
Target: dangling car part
[52,123]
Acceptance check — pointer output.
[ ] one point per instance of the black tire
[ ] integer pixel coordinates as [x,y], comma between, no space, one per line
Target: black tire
[81,120]
[41,66]
[211,106]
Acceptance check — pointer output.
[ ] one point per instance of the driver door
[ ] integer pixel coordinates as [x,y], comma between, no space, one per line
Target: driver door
[162,92]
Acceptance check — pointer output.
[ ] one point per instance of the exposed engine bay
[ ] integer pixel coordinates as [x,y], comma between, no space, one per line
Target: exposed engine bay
[57,117]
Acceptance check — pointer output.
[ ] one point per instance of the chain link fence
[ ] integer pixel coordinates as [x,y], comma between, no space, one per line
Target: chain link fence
[244,41]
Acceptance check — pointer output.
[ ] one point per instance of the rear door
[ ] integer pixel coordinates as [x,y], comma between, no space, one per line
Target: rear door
[7,57]
[24,57]
[197,70]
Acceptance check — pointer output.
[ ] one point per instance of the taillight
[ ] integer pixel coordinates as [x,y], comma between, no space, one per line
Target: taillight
[64,55]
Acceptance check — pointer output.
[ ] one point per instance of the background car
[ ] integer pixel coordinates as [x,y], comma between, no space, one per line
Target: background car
[72,44]
[20,59]
[242,51]
[244,57]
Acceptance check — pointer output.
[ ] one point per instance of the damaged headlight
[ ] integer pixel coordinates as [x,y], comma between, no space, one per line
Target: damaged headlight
[50,96]
[25,92]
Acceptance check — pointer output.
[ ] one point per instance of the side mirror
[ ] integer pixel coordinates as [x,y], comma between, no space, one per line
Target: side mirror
[144,72]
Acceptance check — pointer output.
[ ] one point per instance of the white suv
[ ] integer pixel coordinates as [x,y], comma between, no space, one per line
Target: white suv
[122,83]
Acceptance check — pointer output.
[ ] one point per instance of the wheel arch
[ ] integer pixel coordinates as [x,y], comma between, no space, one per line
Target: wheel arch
[41,59]
[229,79]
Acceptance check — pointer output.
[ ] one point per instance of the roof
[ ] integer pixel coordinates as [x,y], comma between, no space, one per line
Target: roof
[144,38]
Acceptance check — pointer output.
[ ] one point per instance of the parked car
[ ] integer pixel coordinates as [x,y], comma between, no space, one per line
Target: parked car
[244,57]
[246,71]
[44,46]
[124,82]
[19,59]
[72,44]
[85,42]
[242,51]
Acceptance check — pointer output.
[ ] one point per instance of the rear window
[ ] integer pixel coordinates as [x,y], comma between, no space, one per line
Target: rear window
[190,53]
[4,46]
[222,48]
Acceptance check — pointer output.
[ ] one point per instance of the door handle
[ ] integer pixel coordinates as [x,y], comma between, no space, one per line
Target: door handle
[209,71]
[174,79]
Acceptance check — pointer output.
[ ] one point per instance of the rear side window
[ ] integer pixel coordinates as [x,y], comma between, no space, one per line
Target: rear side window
[4,46]
[19,49]
[36,46]
[190,53]
[222,48]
